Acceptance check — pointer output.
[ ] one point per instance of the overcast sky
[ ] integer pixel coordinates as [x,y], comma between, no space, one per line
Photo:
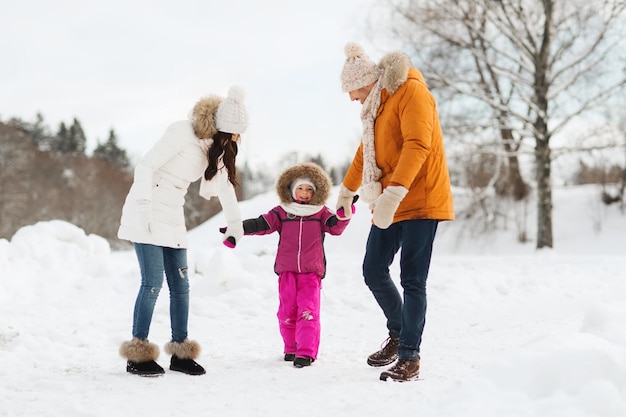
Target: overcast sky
[138,65]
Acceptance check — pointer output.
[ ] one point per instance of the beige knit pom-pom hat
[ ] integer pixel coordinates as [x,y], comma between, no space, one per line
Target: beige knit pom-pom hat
[358,70]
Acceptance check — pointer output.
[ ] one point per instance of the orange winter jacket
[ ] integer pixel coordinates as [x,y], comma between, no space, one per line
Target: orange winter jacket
[409,145]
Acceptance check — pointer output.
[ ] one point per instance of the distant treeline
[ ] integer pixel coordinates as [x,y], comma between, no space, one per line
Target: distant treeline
[47,175]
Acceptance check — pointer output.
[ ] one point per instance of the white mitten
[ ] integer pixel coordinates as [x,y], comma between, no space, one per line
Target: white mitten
[143,214]
[233,233]
[386,205]
[344,203]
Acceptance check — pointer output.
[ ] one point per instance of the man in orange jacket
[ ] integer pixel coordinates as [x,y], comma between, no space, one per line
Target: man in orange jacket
[400,167]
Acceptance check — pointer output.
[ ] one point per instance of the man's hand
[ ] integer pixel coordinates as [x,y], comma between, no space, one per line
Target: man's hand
[386,205]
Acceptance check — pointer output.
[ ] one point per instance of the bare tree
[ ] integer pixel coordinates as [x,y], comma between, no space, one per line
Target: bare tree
[534,65]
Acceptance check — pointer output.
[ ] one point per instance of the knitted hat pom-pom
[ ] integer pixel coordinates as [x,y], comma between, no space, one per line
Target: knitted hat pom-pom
[353,50]
[237,93]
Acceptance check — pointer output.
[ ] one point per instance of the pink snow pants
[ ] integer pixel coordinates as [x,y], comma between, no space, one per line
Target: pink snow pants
[299,312]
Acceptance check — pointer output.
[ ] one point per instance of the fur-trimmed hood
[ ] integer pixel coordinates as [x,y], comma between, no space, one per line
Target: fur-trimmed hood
[395,66]
[310,170]
[203,116]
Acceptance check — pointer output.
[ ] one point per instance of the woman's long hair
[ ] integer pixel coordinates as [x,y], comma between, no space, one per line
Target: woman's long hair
[222,145]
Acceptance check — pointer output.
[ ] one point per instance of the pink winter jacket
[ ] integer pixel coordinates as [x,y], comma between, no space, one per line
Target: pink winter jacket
[301,243]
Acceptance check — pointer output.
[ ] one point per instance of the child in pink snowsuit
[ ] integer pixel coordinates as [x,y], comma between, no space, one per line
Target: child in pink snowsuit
[301,219]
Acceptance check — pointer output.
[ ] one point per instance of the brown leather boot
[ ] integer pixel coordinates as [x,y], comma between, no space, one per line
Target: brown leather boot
[403,370]
[387,354]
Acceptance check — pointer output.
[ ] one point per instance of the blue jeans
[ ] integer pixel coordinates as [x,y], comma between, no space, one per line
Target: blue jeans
[153,261]
[405,319]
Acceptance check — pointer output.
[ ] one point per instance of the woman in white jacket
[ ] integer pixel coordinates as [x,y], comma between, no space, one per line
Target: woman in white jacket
[153,219]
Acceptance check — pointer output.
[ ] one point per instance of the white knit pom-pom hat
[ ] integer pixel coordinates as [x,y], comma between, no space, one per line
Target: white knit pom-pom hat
[358,70]
[231,115]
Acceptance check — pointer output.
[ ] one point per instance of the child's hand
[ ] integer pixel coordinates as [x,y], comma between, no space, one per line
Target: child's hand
[341,213]
[343,201]
[230,241]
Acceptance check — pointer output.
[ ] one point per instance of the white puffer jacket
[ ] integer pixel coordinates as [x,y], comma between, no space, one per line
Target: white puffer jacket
[161,180]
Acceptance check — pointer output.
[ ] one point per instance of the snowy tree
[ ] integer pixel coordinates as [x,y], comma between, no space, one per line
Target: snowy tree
[77,141]
[40,132]
[110,151]
[37,130]
[60,141]
[69,140]
[524,68]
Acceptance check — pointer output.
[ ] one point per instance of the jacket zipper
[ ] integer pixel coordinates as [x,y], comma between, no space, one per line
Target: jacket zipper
[300,246]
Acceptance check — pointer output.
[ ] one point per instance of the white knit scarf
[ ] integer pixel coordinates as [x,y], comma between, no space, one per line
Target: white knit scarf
[371,188]
[302,210]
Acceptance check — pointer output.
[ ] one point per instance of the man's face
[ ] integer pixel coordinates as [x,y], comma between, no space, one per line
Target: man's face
[362,93]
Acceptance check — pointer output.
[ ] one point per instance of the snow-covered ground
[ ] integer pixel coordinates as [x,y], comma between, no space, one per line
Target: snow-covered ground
[510,331]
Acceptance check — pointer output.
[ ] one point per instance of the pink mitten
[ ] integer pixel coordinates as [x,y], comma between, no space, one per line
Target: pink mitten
[344,200]
[340,212]
[232,233]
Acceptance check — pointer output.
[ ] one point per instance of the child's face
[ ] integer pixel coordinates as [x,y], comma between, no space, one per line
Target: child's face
[304,193]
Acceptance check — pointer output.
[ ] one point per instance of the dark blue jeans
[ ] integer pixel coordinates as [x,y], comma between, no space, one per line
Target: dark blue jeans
[406,315]
[153,261]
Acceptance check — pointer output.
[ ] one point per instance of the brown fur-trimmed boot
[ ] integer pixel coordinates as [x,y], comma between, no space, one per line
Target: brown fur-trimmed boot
[141,357]
[183,355]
